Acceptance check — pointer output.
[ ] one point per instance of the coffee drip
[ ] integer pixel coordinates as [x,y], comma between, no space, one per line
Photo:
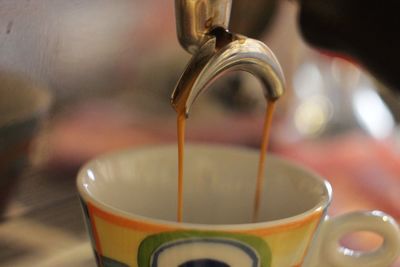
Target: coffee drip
[202,28]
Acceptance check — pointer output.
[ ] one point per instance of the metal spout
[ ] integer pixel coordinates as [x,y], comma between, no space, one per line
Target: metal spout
[212,61]
[195,19]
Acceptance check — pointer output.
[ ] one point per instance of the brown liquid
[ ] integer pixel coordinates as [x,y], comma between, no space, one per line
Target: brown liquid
[181,143]
[261,163]
[223,37]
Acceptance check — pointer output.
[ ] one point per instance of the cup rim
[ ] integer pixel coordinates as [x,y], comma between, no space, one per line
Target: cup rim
[318,208]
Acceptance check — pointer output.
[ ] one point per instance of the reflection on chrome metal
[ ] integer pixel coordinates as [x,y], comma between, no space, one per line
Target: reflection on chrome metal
[211,61]
[195,19]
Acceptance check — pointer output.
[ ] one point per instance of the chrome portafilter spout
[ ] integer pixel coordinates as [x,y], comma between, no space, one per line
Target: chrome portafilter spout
[202,31]
[196,18]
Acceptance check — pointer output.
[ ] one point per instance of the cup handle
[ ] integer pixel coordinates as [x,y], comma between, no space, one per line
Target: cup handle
[331,253]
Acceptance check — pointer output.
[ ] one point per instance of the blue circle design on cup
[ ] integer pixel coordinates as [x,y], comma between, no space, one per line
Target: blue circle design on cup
[207,261]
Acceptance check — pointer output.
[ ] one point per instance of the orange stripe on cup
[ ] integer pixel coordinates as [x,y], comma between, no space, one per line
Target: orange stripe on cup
[314,217]
[128,223]
[92,210]
[309,243]
[155,228]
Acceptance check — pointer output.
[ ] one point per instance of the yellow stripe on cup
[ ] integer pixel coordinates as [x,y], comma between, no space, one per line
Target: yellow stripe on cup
[128,233]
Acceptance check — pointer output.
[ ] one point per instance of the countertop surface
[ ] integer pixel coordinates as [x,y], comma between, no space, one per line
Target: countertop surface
[43,224]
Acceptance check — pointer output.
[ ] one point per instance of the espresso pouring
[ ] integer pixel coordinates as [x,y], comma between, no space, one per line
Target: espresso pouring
[224,51]
[203,32]
[261,165]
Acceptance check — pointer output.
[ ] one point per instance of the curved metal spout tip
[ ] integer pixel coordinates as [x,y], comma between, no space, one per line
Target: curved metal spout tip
[209,63]
[179,109]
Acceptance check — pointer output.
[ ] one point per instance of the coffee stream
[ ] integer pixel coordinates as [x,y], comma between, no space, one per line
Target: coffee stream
[223,37]
[181,143]
[261,165]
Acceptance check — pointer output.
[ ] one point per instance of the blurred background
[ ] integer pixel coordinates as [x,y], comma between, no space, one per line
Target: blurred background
[110,67]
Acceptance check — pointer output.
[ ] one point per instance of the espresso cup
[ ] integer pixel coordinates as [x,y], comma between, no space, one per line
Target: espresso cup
[23,105]
[129,201]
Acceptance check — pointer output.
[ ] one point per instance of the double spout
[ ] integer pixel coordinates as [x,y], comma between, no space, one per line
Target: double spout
[201,28]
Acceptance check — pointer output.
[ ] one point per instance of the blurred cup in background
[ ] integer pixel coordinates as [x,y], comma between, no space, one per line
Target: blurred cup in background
[23,105]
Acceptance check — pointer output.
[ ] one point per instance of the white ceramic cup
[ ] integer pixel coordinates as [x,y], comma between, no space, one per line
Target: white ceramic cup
[130,204]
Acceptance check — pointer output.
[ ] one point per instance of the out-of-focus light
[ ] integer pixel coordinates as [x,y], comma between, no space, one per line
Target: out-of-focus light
[347,252]
[312,116]
[372,113]
[345,73]
[308,81]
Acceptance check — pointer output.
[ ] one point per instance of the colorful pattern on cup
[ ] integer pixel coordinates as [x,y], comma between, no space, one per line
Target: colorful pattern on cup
[122,242]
